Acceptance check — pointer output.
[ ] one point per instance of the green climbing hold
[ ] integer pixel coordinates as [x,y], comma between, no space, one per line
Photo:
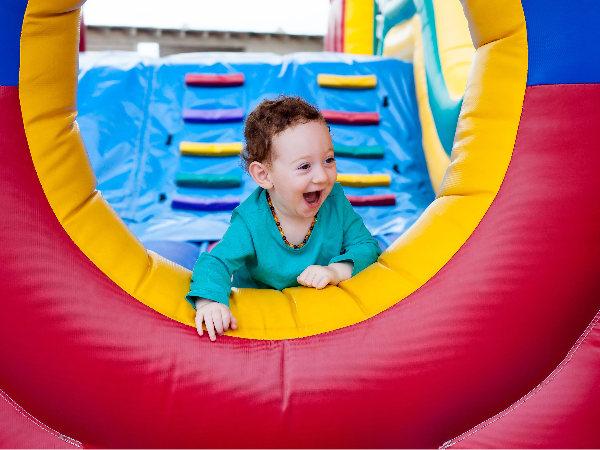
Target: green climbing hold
[374,152]
[208,180]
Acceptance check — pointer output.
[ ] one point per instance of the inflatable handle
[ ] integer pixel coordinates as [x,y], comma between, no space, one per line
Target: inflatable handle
[372,200]
[208,180]
[214,80]
[350,118]
[204,204]
[213,115]
[210,149]
[374,152]
[347,81]
[358,180]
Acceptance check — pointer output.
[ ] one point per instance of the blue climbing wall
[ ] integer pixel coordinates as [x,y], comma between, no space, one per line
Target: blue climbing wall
[130,115]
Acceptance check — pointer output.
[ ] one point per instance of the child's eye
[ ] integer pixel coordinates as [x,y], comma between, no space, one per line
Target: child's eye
[304,167]
[330,160]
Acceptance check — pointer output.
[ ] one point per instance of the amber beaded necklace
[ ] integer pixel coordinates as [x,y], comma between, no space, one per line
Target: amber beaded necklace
[289,244]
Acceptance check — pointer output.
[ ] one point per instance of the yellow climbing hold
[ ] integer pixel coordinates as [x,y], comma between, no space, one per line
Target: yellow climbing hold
[359,180]
[347,81]
[210,149]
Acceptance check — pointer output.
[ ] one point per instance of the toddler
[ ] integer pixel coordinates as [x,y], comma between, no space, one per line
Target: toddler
[296,228]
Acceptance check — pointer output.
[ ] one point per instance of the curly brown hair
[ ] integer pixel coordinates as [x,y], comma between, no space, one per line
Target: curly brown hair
[270,118]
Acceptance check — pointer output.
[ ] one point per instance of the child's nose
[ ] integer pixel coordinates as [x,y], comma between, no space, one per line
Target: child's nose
[319,175]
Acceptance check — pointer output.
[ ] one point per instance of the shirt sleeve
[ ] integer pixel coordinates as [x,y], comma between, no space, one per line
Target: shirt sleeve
[211,277]
[359,246]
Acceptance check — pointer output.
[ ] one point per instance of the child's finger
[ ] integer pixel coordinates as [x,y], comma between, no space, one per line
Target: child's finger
[210,327]
[199,328]
[302,280]
[310,276]
[233,321]
[317,281]
[322,283]
[225,320]
[302,277]
[218,321]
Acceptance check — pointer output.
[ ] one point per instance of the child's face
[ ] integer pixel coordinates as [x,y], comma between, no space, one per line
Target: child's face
[302,169]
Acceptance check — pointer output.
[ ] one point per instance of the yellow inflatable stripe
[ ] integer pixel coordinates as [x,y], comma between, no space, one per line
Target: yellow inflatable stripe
[358,180]
[454,45]
[399,42]
[436,158]
[347,81]
[210,149]
[358,27]
[483,147]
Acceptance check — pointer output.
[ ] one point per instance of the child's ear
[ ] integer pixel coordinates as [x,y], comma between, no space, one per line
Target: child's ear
[259,173]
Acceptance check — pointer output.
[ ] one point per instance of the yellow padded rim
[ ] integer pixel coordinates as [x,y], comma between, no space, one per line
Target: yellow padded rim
[210,149]
[359,180]
[358,27]
[347,81]
[483,147]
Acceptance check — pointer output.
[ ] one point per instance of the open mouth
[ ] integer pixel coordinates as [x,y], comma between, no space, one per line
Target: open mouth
[312,198]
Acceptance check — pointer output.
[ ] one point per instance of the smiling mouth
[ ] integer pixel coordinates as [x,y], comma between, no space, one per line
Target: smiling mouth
[312,198]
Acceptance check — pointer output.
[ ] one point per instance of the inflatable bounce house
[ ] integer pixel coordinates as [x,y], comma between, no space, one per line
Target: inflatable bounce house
[478,325]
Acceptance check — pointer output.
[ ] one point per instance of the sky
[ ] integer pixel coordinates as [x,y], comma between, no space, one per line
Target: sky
[307,17]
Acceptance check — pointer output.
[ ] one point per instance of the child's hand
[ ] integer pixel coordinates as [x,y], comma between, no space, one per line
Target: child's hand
[215,316]
[320,276]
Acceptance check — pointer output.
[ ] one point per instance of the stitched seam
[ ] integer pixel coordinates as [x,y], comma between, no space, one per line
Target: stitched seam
[531,393]
[141,154]
[36,422]
[285,398]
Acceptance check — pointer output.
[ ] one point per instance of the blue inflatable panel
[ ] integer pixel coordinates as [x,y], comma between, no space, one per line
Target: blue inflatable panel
[130,115]
[563,41]
[12,13]
[183,253]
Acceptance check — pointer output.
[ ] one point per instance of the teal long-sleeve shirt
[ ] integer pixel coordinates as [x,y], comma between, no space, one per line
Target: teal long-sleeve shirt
[253,251]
